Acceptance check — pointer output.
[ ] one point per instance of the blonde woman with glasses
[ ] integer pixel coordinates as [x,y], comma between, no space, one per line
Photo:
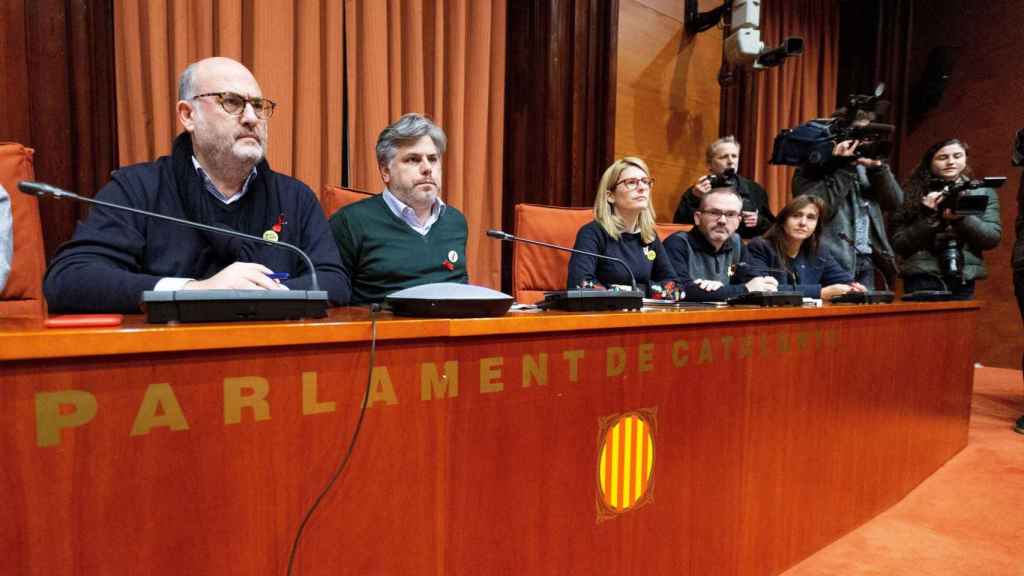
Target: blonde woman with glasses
[623,227]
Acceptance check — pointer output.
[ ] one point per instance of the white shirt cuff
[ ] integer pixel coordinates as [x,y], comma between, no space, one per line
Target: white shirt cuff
[171,284]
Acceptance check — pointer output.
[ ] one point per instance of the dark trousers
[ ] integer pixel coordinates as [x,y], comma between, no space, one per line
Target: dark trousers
[865,272]
[960,290]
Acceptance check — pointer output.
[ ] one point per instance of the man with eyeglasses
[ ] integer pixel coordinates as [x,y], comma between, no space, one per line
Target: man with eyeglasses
[217,174]
[706,256]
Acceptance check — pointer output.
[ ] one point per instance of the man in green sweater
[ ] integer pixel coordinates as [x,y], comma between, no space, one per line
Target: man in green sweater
[405,236]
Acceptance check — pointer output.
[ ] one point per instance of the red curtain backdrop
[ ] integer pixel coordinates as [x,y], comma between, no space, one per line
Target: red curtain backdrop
[445,59]
[801,89]
[442,58]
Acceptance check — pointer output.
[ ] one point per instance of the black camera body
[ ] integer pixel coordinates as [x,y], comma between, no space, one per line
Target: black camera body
[811,143]
[962,199]
[727,179]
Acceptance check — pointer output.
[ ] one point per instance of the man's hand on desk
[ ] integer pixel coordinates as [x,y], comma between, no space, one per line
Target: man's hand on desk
[238,276]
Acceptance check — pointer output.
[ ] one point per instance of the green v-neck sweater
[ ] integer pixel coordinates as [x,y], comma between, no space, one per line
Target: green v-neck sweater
[383,254]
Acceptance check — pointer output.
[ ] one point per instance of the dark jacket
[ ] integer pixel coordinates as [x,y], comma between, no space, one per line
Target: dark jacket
[694,258]
[914,228]
[648,262]
[809,272]
[754,198]
[840,185]
[114,255]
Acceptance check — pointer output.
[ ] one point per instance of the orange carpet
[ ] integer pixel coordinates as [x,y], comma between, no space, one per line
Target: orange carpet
[967,519]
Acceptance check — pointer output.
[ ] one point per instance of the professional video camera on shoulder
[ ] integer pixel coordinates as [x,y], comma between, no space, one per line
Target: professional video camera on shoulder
[812,143]
[962,198]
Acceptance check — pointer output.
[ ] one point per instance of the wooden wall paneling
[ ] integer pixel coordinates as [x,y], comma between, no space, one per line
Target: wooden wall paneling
[980,105]
[667,95]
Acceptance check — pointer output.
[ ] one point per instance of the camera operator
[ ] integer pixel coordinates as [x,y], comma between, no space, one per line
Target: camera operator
[723,159]
[941,249]
[857,190]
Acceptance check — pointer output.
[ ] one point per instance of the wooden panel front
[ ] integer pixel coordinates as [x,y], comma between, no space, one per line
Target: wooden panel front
[769,439]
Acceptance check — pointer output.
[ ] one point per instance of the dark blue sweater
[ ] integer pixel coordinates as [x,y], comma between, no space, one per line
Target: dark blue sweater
[629,247]
[697,259]
[812,272]
[114,255]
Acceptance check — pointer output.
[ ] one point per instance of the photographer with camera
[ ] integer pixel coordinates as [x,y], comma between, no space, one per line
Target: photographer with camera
[856,189]
[723,159]
[939,245]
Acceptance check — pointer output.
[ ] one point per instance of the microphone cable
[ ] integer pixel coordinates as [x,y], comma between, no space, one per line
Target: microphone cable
[374,309]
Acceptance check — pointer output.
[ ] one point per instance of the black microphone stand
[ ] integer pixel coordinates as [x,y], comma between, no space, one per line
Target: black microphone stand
[583,300]
[212,305]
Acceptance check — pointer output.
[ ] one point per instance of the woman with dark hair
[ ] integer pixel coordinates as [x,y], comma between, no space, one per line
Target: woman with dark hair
[790,251]
[941,250]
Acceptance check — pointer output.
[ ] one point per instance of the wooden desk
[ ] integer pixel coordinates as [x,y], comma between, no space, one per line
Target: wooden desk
[738,441]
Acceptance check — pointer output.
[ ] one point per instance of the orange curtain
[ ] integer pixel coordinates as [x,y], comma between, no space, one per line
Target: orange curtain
[445,59]
[801,89]
[294,48]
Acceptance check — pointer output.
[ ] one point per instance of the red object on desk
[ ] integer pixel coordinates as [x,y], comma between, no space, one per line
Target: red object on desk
[83,320]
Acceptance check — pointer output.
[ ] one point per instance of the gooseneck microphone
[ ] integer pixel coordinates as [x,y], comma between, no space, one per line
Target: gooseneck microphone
[583,300]
[511,238]
[212,305]
[789,274]
[43,190]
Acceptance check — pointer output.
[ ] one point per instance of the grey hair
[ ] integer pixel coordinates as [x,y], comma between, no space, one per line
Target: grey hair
[186,88]
[709,155]
[405,131]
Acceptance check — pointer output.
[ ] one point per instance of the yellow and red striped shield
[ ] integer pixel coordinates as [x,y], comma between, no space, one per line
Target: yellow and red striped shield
[626,461]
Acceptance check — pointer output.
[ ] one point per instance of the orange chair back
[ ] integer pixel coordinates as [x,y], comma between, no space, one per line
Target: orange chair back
[536,270]
[23,293]
[333,198]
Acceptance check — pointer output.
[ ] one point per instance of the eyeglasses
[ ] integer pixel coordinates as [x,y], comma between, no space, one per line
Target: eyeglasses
[632,183]
[717,214]
[234,104]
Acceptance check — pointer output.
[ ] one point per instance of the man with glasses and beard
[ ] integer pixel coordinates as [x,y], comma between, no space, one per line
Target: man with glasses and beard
[217,174]
[706,256]
[405,236]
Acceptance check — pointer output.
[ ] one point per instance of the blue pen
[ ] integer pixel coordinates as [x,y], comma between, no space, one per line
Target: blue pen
[279,276]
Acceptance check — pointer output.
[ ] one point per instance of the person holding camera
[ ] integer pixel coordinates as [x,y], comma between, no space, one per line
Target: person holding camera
[856,190]
[940,247]
[723,159]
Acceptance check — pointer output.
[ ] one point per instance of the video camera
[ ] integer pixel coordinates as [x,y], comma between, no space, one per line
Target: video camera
[960,199]
[812,143]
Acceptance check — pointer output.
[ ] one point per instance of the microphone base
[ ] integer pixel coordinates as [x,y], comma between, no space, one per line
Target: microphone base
[187,306]
[768,299]
[928,296]
[592,300]
[869,297]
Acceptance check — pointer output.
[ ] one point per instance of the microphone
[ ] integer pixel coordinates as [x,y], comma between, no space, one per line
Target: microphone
[789,274]
[243,305]
[510,238]
[583,300]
